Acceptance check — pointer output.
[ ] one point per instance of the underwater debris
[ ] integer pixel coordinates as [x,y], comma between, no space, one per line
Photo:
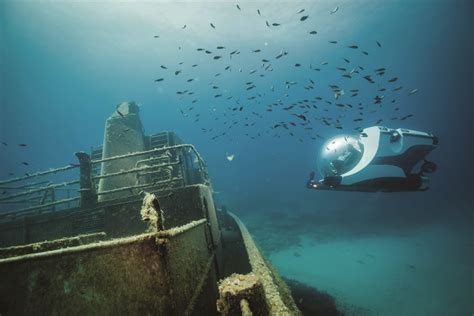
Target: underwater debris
[236,290]
[151,212]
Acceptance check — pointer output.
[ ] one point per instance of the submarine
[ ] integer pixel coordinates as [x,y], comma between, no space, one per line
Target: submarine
[379,159]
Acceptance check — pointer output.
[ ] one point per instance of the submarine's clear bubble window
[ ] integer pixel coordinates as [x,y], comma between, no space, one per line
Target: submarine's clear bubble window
[339,155]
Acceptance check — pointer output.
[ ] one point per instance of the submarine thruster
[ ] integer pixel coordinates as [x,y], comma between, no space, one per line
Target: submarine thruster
[377,159]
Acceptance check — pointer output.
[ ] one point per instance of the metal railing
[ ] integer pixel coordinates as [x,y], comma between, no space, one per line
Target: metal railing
[86,194]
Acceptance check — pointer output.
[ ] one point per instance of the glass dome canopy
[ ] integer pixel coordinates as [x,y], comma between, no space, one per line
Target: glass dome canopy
[339,155]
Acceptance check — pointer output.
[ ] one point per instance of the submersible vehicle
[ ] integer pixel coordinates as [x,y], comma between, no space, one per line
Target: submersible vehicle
[132,228]
[377,159]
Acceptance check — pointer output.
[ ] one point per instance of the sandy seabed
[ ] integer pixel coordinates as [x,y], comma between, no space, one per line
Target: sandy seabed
[426,271]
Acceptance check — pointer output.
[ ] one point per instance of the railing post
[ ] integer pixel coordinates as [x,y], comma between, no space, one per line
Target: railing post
[87,189]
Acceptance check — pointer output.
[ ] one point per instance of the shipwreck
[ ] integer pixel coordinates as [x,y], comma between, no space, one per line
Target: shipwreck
[131,228]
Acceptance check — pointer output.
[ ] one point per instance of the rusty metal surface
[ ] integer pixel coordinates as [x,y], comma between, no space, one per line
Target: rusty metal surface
[166,273]
[277,295]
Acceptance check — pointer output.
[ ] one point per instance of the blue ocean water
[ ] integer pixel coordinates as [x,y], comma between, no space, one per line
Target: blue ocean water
[66,65]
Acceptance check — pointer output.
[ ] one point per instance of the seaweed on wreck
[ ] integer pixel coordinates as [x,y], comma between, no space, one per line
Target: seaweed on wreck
[311,301]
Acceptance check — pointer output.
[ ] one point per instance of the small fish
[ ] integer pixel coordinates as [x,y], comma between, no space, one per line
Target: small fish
[368,78]
[300,11]
[163,67]
[4,144]
[405,117]
[413,91]
[217,57]
[304,17]
[393,79]
[378,44]
[220,47]
[195,65]
[397,88]
[268,24]
[200,49]
[159,79]
[256,51]
[300,116]
[297,65]
[353,46]
[177,72]
[212,25]
[313,32]
[258,11]
[189,80]
[156,36]
[276,24]
[333,42]
[347,60]
[365,53]
[184,26]
[238,7]
[22,145]
[25,163]
[334,10]
[120,113]
[229,157]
